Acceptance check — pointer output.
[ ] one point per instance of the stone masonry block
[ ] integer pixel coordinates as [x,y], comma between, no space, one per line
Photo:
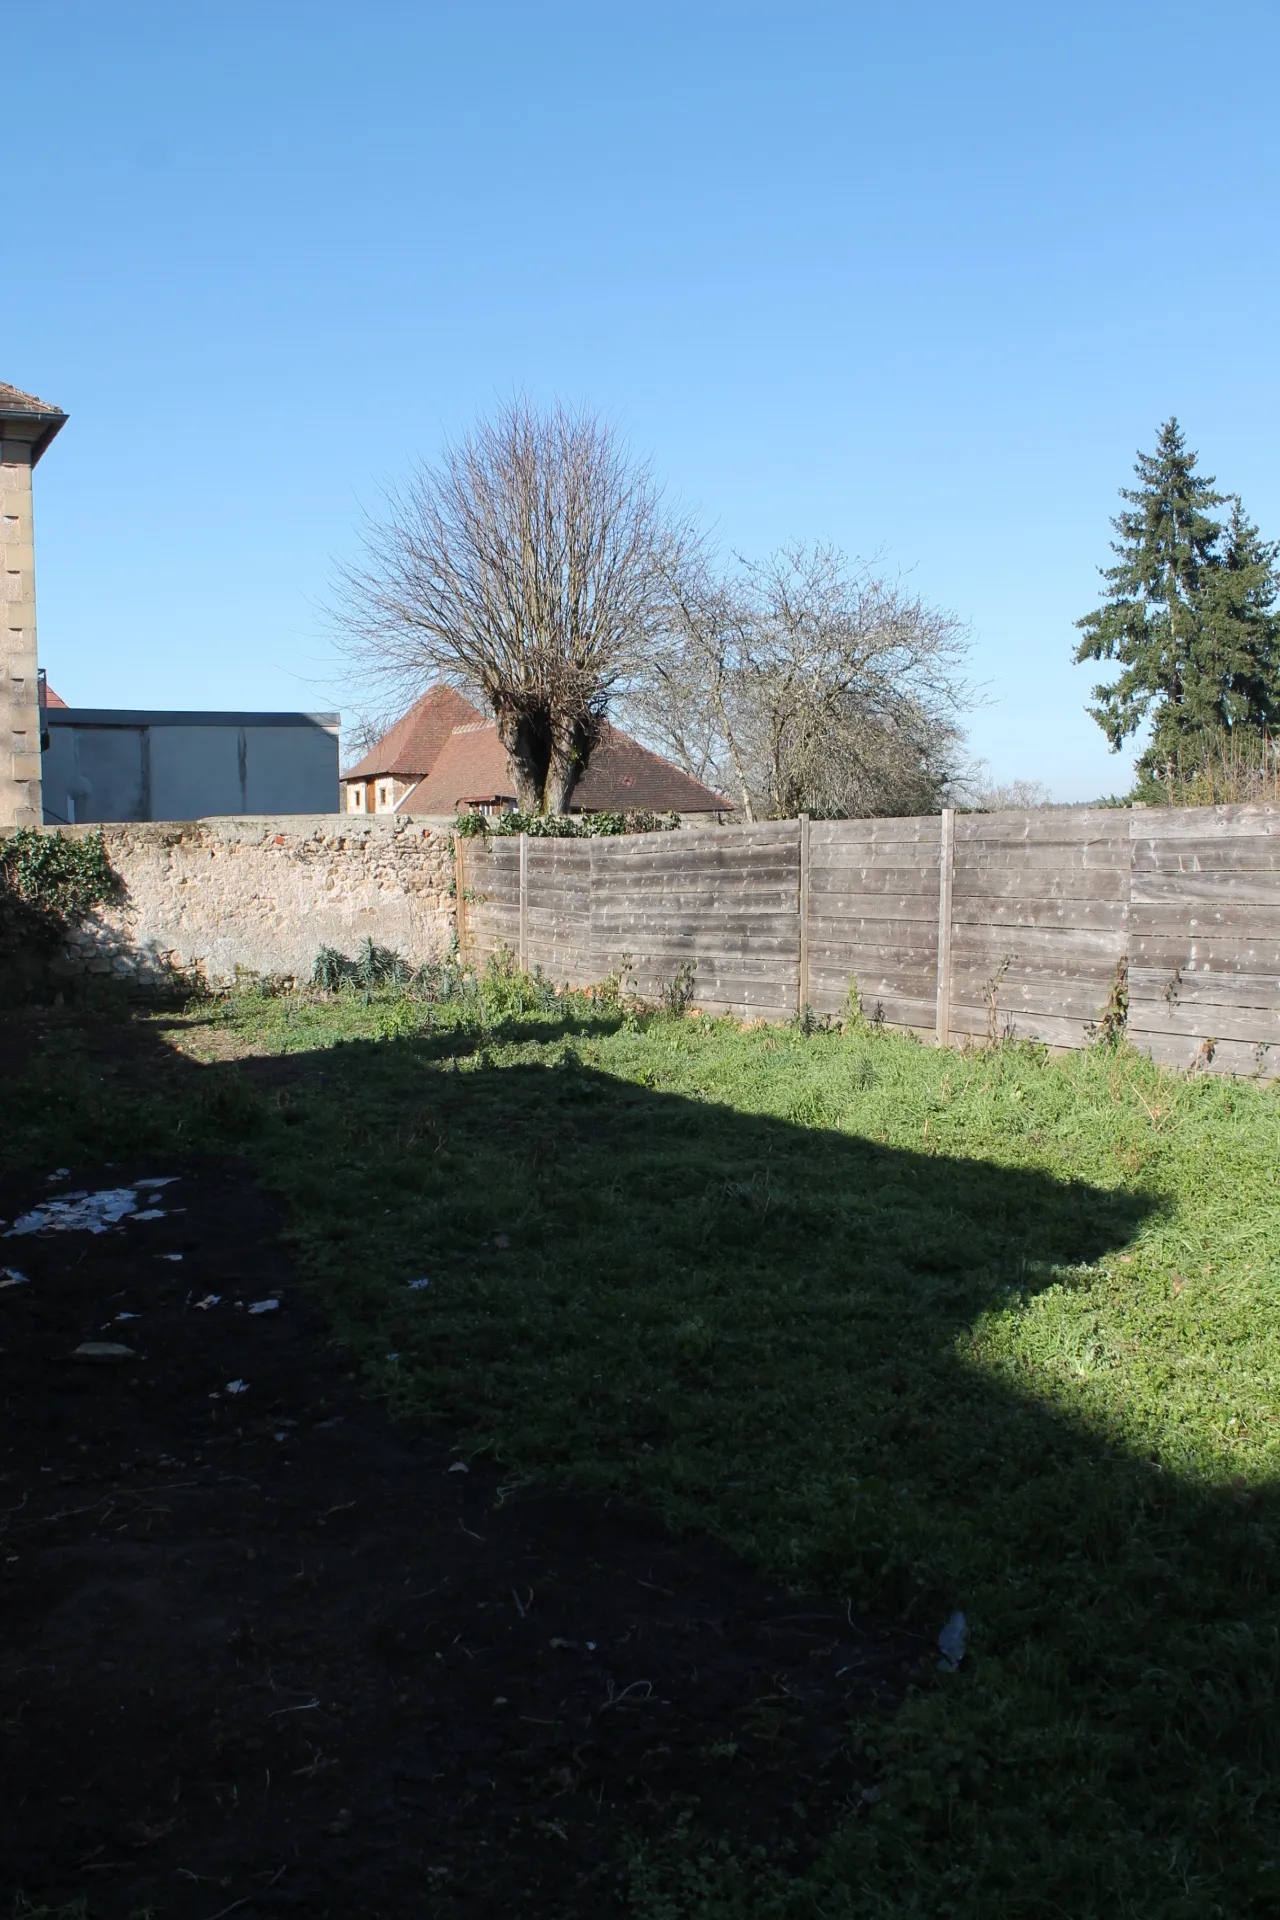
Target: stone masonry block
[266,895]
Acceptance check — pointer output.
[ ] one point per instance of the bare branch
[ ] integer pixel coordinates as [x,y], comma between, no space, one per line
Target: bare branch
[805,684]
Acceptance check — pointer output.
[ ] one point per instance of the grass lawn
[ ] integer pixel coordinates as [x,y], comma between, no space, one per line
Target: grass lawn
[920,1329]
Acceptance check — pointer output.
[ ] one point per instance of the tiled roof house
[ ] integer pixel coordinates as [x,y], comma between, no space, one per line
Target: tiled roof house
[445,757]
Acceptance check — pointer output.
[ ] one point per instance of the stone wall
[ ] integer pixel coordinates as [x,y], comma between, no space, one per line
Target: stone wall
[266,894]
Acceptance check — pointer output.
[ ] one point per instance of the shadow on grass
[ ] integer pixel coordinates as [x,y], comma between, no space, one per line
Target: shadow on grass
[766,1330]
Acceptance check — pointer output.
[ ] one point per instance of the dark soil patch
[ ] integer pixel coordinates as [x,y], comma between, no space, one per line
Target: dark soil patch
[263,1651]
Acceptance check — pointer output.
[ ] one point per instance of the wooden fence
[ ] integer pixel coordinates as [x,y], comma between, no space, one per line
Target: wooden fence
[954,925]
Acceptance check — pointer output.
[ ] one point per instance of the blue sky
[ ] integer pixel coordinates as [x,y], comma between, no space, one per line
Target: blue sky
[917,279]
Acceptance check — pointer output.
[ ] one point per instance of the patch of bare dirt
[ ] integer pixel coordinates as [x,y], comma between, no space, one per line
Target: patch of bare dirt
[262,1652]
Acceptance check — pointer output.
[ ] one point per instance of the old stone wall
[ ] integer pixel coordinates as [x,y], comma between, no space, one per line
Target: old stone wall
[266,894]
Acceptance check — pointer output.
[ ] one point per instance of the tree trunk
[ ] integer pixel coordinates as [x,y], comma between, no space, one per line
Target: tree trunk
[528,749]
[571,748]
[722,715]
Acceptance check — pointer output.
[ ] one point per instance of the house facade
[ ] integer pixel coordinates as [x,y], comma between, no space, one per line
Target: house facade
[445,757]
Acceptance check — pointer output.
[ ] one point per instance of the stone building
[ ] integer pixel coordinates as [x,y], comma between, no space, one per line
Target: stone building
[27,426]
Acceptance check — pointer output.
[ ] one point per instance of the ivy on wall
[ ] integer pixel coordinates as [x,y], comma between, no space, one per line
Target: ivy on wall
[564,826]
[49,882]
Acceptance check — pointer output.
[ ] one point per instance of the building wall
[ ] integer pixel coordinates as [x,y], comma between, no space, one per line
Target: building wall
[19,704]
[267,894]
[382,795]
[105,766]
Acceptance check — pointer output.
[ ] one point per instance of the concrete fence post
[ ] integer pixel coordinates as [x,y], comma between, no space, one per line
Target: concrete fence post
[946,869]
[460,896]
[524,903]
[802,987]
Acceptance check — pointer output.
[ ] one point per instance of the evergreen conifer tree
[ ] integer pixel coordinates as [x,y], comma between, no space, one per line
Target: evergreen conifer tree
[1243,629]
[1190,616]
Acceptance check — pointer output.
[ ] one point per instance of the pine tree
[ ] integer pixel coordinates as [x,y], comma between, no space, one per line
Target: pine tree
[1190,616]
[1243,629]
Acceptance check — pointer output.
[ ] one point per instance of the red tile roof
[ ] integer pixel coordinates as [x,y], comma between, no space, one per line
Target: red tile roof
[51,699]
[472,767]
[12,400]
[621,774]
[415,742]
[464,763]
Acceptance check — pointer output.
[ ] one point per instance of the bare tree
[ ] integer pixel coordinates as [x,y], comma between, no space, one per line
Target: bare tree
[525,567]
[806,685]
[986,795]
[362,732]
[687,699]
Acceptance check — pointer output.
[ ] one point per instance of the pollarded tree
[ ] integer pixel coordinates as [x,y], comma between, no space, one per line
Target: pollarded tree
[1190,617]
[526,567]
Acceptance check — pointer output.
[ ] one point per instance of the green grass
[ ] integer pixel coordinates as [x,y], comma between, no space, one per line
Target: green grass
[913,1328]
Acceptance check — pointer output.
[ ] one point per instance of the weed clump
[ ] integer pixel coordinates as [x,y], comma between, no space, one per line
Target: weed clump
[501,990]
[1112,1024]
[372,967]
[675,996]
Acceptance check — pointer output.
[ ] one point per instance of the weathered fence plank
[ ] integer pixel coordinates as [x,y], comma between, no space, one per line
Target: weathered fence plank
[951,924]
[1205,937]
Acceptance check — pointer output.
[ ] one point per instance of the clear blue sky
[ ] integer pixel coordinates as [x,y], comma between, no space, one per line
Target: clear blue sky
[917,279]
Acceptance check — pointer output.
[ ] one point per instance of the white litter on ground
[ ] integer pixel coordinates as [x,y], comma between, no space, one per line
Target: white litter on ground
[416,1286]
[210,1300]
[168,1256]
[78,1213]
[10,1277]
[237,1386]
[953,1642]
[264,1306]
[88,1212]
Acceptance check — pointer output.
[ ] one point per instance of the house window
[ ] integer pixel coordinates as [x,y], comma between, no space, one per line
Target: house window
[382,797]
